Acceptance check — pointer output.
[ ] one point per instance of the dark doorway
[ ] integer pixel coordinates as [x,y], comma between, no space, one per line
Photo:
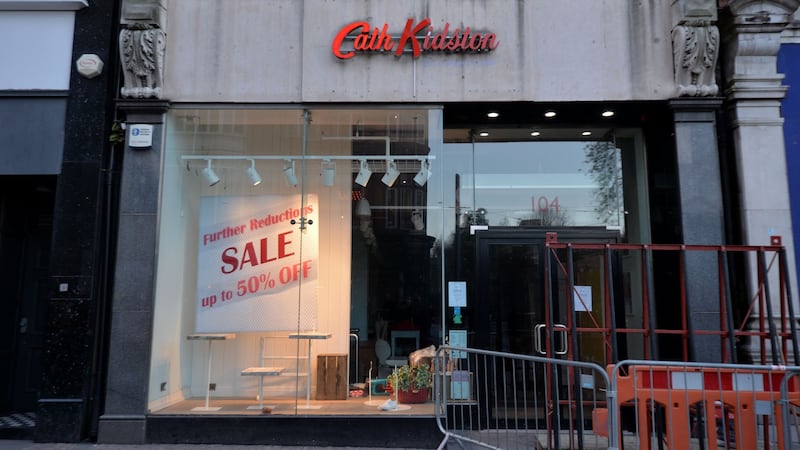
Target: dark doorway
[26,211]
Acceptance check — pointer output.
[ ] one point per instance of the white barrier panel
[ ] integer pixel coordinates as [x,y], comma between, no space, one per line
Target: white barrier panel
[506,401]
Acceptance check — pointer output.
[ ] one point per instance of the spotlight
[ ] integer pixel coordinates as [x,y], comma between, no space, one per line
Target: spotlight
[424,173]
[328,172]
[363,174]
[252,173]
[363,210]
[289,173]
[391,173]
[210,175]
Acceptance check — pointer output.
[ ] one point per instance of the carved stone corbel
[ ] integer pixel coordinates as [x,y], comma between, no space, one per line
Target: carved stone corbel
[142,43]
[695,47]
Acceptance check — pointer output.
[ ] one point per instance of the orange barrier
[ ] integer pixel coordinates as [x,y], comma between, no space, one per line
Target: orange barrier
[731,397]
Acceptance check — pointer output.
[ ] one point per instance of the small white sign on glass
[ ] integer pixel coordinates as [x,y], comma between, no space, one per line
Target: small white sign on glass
[582,298]
[457,293]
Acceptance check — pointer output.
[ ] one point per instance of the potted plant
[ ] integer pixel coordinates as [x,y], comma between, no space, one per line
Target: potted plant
[411,383]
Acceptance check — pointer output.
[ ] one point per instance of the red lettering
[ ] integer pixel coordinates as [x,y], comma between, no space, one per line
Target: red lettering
[426,43]
[232,261]
[385,41]
[379,40]
[248,256]
[373,36]
[410,33]
[453,44]
[265,253]
[283,242]
[360,43]
[489,41]
[342,35]
[474,42]
[229,260]
[438,41]
[464,44]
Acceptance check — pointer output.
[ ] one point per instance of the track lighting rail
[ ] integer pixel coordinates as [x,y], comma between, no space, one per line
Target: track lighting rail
[392,166]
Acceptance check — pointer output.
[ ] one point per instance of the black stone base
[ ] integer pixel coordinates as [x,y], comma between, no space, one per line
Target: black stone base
[121,429]
[59,420]
[16,434]
[322,431]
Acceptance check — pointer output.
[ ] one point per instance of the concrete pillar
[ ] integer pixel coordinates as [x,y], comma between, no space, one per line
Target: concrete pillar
[754,93]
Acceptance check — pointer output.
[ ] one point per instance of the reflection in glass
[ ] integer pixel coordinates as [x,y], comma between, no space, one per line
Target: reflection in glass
[537,183]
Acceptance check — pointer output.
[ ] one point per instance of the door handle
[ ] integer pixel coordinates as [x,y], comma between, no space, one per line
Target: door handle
[537,338]
[558,329]
[561,330]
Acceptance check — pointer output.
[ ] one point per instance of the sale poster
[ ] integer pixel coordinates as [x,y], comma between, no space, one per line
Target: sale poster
[257,263]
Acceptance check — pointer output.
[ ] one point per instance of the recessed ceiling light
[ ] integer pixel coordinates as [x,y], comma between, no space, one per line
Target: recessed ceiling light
[483,133]
[493,114]
[549,114]
[608,113]
[535,133]
[586,133]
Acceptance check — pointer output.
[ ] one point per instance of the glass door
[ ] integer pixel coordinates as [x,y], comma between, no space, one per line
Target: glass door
[520,315]
[523,306]
[510,291]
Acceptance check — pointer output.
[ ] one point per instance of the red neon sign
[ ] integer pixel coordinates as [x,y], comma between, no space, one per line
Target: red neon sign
[376,39]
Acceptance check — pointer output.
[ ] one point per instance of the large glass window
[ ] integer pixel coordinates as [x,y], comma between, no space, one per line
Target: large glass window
[295,248]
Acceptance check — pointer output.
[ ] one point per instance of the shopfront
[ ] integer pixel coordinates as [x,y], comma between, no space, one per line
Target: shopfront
[342,183]
[352,223]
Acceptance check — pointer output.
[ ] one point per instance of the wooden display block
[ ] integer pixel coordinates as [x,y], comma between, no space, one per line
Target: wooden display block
[332,377]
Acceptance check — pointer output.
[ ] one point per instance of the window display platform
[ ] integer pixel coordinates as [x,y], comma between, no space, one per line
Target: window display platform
[353,406]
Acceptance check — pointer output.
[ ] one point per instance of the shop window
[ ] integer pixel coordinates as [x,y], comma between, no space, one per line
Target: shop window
[271,254]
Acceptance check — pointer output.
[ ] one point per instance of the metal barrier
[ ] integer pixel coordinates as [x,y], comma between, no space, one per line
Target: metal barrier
[501,400]
[790,412]
[703,406]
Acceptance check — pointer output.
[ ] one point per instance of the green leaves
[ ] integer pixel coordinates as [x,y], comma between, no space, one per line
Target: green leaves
[409,378]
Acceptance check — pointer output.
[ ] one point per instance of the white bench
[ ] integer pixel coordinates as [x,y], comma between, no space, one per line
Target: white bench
[261,372]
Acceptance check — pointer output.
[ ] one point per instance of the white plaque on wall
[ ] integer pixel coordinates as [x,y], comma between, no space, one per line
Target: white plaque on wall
[140,136]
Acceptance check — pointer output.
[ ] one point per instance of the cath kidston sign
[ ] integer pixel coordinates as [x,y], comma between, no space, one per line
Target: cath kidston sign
[254,265]
[416,38]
